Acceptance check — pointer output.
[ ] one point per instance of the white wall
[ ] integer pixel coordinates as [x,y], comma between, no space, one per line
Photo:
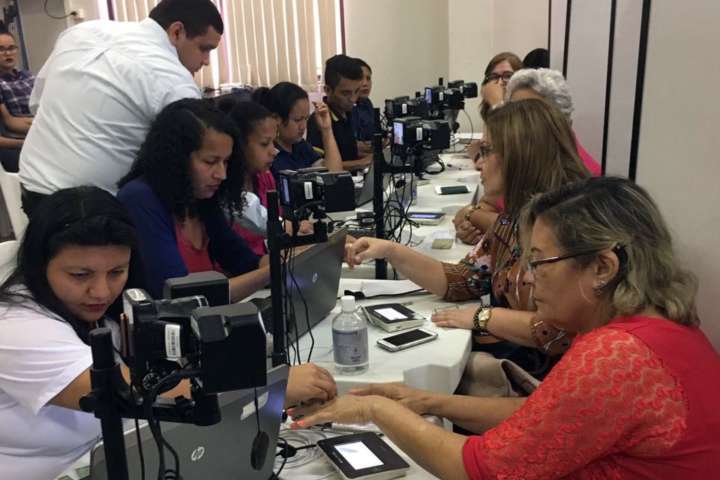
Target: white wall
[679,142]
[479,29]
[404,41]
[40,31]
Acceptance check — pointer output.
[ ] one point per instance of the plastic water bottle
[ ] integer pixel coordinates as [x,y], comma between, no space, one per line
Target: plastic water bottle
[350,339]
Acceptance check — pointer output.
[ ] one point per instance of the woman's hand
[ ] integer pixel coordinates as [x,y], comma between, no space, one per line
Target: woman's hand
[322,116]
[306,228]
[455,317]
[493,92]
[468,233]
[366,248]
[343,409]
[309,382]
[413,398]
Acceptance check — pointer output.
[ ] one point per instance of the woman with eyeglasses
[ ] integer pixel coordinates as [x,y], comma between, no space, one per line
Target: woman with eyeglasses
[497,74]
[635,396]
[530,150]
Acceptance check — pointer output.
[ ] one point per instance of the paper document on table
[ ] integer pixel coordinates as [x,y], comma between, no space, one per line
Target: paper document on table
[390,287]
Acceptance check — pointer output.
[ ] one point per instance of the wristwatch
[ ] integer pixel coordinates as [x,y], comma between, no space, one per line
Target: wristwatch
[481,319]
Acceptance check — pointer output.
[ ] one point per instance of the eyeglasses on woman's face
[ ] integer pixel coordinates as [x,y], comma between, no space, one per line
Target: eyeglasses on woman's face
[485,150]
[495,76]
[8,50]
[532,265]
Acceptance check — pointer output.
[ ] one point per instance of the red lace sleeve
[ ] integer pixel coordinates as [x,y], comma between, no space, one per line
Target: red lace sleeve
[610,393]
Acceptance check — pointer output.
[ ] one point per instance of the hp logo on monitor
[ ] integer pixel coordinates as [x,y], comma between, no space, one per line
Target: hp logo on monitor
[197,454]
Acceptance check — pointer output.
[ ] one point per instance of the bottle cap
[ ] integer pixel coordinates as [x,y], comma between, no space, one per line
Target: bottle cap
[347,303]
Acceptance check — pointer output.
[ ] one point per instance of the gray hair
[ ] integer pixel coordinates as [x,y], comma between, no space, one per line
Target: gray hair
[549,84]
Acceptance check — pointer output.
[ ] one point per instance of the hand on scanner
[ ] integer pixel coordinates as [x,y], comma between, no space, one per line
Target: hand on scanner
[309,382]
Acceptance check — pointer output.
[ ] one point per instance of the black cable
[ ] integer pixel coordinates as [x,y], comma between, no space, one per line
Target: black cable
[45,7]
[472,129]
[140,450]
[289,451]
[287,445]
[307,311]
[154,424]
[291,260]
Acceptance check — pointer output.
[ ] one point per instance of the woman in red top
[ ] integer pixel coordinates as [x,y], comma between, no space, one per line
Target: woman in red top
[635,396]
[257,131]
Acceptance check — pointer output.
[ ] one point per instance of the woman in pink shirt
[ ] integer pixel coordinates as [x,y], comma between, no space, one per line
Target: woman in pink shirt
[549,85]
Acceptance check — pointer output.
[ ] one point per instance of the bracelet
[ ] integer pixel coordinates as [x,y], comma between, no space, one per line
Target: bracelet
[471,211]
[480,321]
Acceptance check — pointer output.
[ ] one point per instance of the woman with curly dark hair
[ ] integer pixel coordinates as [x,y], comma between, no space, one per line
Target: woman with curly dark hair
[188,168]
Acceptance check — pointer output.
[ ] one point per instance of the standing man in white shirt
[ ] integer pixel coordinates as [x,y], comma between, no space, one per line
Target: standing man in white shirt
[101,88]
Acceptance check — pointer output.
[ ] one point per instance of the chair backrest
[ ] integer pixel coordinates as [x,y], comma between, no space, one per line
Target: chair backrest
[10,185]
[8,258]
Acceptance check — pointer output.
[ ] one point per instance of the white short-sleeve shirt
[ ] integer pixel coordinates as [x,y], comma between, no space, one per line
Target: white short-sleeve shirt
[96,97]
[39,356]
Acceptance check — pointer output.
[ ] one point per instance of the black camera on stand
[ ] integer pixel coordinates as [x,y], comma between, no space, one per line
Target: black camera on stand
[316,190]
[411,133]
[218,349]
[310,192]
[445,102]
[162,336]
[406,107]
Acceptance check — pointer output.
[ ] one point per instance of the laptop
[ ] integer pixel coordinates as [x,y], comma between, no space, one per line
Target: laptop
[365,192]
[218,451]
[316,275]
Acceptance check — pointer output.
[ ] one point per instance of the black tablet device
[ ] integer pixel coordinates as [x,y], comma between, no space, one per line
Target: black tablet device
[363,455]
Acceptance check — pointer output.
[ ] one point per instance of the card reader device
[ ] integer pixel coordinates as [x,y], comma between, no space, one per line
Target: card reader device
[392,317]
[363,456]
[426,218]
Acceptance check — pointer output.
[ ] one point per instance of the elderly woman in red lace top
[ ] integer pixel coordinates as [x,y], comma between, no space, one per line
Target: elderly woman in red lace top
[636,394]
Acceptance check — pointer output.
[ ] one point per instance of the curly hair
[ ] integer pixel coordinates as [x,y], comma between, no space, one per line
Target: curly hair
[549,84]
[164,158]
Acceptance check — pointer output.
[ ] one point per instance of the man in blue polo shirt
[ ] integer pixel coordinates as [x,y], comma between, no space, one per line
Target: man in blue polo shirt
[343,79]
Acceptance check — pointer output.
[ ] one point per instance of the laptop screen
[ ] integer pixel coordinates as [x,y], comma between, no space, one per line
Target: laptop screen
[313,283]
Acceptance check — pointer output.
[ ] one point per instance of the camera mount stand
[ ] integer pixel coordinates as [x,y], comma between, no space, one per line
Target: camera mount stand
[278,240]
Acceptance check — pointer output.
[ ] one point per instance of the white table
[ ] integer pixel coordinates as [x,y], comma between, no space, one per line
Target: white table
[436,365]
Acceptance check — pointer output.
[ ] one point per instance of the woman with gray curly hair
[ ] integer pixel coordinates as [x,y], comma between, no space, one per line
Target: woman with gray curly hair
[549,85]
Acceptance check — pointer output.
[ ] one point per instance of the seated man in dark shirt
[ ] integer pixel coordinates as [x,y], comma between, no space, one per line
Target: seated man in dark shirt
[363,113]
[343,78]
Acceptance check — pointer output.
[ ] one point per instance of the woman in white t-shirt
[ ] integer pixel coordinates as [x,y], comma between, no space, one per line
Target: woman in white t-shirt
[73,264]
[77,256]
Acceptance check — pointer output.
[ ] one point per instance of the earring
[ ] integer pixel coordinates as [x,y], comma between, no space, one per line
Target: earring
[599,288]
